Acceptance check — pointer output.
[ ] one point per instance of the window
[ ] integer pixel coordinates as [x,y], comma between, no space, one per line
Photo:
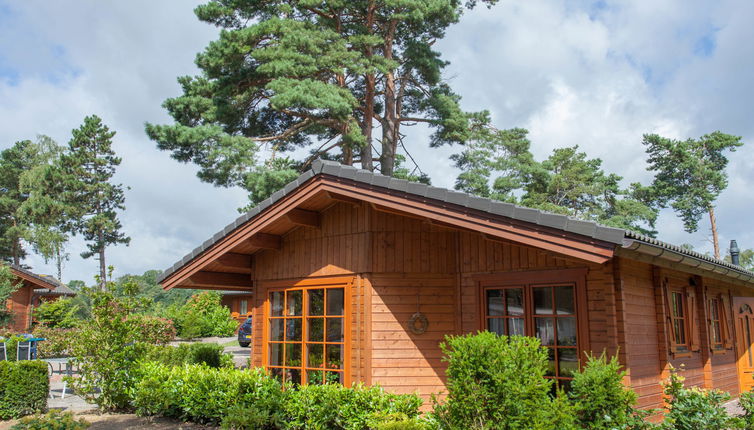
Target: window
[545,311]
[306,335]
[715,327]
[679,321]
[243,307]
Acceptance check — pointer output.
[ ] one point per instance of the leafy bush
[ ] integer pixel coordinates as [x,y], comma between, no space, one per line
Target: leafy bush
[153,330]
[210,354]
[106,352]
[747,404]
[203,394]
[497,382]
[695,408]
[60,313]
[333,406]
[57,341]
[203,315]
[24,386]
[53,420]
[601,400]
[247,418]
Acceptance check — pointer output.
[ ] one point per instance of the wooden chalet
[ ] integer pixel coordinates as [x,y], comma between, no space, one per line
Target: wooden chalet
[239,302]
[21,302]
[357,276]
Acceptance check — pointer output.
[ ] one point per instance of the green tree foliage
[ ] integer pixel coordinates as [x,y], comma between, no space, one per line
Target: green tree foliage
[8,285]
[84,173]
[202,316]
[44,208]
[745,259]
[294,77]
[498,382]
[690,175]
[498,164]
[19,164]
[60,313]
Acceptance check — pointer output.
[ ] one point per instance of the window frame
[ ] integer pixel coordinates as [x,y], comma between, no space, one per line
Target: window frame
[528,280]
[715,306]
[676,346]
[307,285]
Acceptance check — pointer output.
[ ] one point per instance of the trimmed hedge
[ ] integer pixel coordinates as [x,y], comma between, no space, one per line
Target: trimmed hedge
[211,354]
[24,386]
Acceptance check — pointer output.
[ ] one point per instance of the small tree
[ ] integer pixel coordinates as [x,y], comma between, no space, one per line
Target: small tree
[8,285]
[85,172]
[59,313]
[690,175]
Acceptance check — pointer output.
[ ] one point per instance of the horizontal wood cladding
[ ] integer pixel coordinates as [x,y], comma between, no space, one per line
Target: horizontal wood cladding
[401,361]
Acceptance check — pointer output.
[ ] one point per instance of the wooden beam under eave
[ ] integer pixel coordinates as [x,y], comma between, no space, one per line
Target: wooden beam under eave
[233,260]
[220,280]
[266,241]
[344,199]
[303,217]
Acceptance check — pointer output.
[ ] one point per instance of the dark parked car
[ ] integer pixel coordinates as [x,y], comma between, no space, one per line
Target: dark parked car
[244,333]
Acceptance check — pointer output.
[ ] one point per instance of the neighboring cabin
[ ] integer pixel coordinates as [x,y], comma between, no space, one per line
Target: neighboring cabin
[358,277]
[239,302]
[34,289]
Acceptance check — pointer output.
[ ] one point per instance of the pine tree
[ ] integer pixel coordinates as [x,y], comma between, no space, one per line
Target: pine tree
[498,164]
[84,173]
[319,76]
[690,175]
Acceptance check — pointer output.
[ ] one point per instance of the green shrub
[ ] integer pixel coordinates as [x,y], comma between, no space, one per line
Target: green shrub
[695,408]
[747,404]
[498,382]
[203,394]
[253,418]
[53,420]
[601,400]
[399,422]
[333,406]
[60,313]
[153,330]
[24,386]
[57,341]
[203,315]
[210,354]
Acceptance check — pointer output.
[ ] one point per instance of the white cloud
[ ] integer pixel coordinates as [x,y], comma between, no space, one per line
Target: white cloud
[587,73]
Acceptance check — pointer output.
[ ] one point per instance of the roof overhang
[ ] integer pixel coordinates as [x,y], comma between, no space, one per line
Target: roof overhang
[299,204]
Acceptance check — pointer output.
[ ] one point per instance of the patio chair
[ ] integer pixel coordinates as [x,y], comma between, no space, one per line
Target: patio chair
[3,354]
[23,351]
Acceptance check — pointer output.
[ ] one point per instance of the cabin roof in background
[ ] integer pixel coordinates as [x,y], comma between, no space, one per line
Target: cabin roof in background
[44,281]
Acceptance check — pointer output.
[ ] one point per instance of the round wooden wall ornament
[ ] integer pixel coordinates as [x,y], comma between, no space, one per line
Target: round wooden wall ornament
[418,323]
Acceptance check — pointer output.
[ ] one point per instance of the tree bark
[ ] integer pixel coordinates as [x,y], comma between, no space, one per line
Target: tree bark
[389,132]
[16,249]
[713,224]
[102,266]
[369,80]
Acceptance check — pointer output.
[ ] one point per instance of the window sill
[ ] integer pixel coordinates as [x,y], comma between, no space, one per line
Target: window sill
[684,354]
[719,351]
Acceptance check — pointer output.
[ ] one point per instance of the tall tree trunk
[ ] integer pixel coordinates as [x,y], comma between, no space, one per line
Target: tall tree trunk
[389,132]
[59,262]
[369,79]
[102,266]
[713,224]
[16,247]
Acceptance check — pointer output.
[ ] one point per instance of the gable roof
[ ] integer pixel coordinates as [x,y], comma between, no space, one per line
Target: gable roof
[597,235]
[43,281]
[61,290]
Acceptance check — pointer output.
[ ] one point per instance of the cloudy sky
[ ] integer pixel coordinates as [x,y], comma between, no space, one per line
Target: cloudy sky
[594,73]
